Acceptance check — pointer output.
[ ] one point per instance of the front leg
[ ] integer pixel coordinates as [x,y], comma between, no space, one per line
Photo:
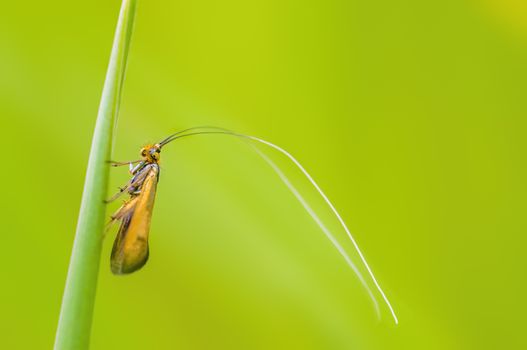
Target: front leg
[130,163]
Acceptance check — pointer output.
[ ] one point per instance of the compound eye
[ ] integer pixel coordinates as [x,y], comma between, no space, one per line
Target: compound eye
[143,152]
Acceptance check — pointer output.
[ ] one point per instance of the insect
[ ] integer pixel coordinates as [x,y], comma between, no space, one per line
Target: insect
[130,249]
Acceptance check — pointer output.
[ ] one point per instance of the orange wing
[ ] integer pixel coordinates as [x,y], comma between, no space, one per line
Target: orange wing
[130,249]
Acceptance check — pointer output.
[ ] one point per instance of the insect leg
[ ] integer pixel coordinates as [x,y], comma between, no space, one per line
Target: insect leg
[118,194]
[125,209]
[134,185]
[116,164]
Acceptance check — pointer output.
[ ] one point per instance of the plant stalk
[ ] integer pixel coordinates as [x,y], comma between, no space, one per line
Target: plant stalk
[78,301]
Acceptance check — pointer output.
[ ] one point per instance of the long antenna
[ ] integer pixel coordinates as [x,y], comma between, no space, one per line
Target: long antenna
[181,134]
[174,136]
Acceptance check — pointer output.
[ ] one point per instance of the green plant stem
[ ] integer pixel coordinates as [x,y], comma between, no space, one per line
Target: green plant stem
[76,313]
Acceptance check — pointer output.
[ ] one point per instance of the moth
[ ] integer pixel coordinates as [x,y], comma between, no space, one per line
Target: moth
[130,248]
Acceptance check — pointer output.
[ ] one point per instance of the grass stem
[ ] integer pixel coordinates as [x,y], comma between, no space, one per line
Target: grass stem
[76,313]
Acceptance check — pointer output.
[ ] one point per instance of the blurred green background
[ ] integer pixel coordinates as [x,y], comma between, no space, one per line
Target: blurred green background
[411,116]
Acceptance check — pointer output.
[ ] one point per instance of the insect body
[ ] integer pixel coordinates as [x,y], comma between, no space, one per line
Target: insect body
[130,248]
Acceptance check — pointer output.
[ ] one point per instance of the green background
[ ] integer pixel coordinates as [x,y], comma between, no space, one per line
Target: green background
[411,116]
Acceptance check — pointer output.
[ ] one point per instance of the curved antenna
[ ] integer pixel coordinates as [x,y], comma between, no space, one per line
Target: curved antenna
[174,136]
[305,204]
[169,137]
